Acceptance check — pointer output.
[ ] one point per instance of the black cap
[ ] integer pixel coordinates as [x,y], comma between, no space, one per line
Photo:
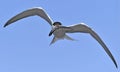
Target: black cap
[55,23]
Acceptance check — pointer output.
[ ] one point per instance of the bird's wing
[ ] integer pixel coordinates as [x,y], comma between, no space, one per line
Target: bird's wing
[85,29]
[30,12]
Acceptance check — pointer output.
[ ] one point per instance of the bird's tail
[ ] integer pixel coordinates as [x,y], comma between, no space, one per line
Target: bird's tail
[54,40]
[65,37]
[68,38]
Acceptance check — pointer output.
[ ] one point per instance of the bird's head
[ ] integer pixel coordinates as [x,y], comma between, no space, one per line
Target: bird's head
[57,24]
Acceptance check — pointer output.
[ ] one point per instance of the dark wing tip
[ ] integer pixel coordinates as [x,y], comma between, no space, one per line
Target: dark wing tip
[6,24]
[116,66]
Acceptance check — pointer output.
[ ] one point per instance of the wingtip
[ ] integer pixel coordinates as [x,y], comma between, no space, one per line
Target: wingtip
[5,25]
[116,66]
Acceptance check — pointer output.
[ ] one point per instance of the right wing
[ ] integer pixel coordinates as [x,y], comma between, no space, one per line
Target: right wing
[85,29]
[30,12]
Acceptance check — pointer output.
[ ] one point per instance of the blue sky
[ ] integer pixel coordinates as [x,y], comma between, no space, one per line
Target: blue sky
[24,45]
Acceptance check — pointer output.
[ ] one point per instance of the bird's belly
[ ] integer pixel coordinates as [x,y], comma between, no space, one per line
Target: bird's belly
[59,33]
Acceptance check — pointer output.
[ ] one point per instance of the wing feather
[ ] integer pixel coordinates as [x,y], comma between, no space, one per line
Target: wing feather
[30,12]
[85,29]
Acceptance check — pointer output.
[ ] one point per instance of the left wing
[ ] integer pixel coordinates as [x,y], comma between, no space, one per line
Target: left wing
[38,11]
[85,29]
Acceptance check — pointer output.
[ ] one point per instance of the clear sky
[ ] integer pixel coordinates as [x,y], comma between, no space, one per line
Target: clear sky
[24,45]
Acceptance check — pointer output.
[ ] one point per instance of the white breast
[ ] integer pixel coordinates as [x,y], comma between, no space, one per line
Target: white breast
[59,33]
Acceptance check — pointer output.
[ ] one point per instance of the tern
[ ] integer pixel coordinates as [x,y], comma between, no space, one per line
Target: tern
[58,30]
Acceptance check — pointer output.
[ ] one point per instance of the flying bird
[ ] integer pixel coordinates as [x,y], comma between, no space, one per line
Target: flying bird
[58,30]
